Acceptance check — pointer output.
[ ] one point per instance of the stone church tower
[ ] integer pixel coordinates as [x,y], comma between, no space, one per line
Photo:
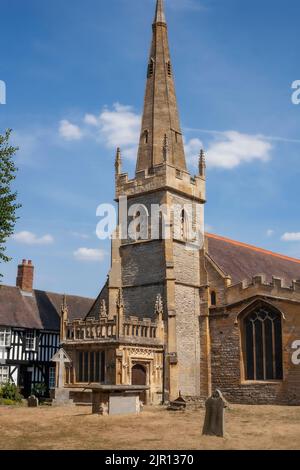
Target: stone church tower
[178,314]
[163,265]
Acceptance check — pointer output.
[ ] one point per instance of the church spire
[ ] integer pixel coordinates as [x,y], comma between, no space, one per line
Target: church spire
[160,121]
[159,12]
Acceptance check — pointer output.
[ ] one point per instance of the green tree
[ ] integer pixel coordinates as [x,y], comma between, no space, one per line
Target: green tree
[8,198]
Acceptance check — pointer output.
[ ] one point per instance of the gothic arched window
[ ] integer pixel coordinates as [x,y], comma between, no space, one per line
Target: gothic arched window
[263,344]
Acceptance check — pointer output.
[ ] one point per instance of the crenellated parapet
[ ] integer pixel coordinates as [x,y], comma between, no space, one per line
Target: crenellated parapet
[119,328]
[260,286]
[162,176]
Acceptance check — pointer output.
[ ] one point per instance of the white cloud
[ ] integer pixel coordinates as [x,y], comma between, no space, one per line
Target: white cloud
[91,120]
[291,237]
[192,151]
[29,238]
[234,148]
[83,236]
[270,233]
[89,254]
[229,149]
[265,137]
[69,131]
[118,126]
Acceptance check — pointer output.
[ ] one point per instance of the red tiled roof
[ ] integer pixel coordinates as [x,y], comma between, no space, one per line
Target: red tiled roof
[242,261]
[39,311]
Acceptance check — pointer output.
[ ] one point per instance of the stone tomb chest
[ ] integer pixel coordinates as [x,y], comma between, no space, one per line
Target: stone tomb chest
[116,399]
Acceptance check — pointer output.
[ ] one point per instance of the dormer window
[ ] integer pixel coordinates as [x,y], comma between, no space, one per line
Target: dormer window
[150,68]
[169,68]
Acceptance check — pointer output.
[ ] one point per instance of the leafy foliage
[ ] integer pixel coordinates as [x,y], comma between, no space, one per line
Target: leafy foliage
[10,391]
[8,198]
[6,402]
[39,390]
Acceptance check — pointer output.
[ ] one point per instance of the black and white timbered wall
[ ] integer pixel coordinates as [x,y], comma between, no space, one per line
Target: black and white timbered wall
[25,357]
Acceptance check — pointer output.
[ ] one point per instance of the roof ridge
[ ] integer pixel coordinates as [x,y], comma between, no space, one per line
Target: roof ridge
[60,294]
[252,247]
[48,292]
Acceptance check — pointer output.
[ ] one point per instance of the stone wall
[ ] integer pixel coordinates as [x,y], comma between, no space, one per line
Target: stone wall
[143,267]
[188,340]
[187,302]
[216,282]
[140,301]
[142,263]
[227,358]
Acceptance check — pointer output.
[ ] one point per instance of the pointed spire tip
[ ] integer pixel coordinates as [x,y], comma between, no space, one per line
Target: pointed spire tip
[118,161]
[160,12]
[202,163]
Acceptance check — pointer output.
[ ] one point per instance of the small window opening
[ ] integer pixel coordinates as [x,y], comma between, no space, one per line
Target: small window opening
[150,68]
[183,226]
[169,68]
[213,298]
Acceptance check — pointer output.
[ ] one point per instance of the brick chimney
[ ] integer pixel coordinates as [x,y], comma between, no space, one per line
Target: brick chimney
[25,276]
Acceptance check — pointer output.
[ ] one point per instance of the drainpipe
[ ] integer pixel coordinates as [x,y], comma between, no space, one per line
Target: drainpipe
[164,376]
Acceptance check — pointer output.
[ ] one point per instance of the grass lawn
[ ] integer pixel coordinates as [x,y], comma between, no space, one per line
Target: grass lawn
[247,427]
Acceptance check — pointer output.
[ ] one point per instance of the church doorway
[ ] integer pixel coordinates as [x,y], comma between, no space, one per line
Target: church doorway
[139,377]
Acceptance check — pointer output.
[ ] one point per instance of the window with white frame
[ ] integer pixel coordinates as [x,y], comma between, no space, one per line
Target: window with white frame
[52,376]
[30,341]
[4,374]
[5,337]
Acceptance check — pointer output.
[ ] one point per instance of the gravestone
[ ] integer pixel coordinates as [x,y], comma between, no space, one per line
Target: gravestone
[215,415]
[32,401]
[177,405]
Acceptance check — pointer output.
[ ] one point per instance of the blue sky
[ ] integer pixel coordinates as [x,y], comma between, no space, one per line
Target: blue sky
[75,77]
